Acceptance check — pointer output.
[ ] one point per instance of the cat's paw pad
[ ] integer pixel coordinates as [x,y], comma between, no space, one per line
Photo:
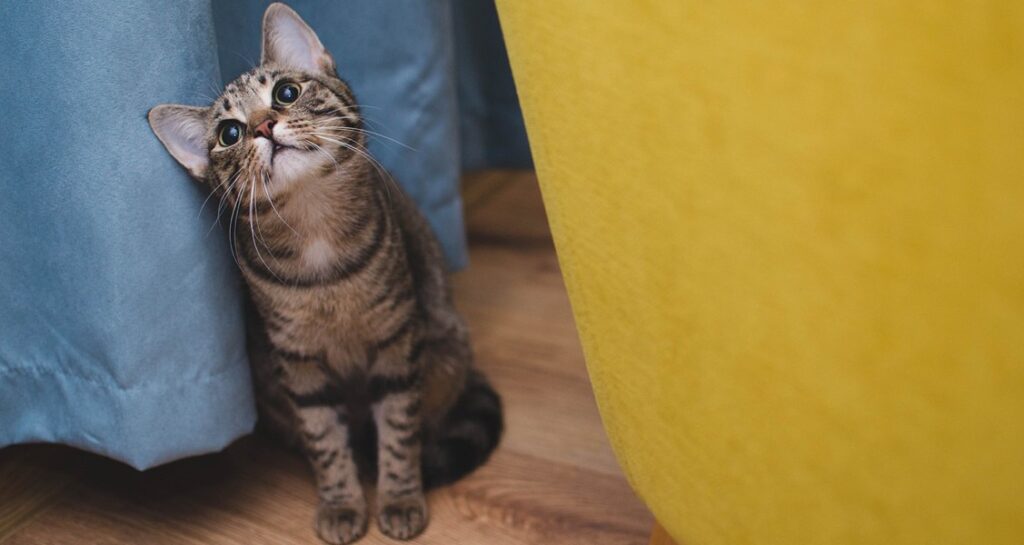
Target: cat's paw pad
[403,518]
[339,524]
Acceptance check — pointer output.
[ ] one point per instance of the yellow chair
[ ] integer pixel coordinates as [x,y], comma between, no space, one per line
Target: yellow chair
[793,236]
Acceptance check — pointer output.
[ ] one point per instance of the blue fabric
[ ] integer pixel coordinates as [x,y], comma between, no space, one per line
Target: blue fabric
[120,320]
[492,133]
[121,325]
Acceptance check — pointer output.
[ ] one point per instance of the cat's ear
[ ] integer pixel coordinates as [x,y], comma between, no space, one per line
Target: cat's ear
[182,129]
[288,41]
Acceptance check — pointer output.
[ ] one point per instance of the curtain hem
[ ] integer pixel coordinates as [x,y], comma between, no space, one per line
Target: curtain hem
[52,406]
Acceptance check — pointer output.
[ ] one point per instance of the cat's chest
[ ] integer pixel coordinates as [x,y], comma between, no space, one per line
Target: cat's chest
[322,321]
[318,254]
[332,311]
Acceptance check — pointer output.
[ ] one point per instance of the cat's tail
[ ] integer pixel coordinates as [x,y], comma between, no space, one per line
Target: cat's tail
[467,436]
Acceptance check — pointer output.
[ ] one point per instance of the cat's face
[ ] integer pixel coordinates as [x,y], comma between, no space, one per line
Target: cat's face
[276,126]
[288,120]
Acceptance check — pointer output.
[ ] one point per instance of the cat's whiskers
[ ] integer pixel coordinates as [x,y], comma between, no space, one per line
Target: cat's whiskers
[233,229]
[254,217]
[248,61]
[213,89]
[206,97]
[318,148]
[270,198]
[226,195]
[350,144]
[346,115]
[253,222]
[365,118]
[359,118]
[373,133]
[221,206]
[214,192]
[239,197]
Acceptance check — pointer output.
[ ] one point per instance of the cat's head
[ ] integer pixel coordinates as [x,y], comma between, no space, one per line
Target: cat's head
[286,120]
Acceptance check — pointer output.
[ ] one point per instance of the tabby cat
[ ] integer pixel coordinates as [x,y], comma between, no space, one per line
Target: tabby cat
[353,333]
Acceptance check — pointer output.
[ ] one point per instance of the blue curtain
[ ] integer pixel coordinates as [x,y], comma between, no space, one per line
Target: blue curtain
[121,325]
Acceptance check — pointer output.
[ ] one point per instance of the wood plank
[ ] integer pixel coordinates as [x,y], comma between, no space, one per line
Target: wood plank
[27,488]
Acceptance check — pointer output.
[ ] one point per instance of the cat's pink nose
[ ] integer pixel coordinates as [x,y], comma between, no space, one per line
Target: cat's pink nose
[265,129]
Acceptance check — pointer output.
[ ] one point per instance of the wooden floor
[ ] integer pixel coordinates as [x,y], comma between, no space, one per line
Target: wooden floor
[553,480]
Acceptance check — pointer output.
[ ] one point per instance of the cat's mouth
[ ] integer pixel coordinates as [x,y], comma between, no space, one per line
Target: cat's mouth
[279,149]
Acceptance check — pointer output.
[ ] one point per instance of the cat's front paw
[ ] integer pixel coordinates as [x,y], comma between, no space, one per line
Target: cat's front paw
[403,518]
[340,523]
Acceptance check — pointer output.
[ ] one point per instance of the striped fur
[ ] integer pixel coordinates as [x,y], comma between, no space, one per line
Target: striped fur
[352,325]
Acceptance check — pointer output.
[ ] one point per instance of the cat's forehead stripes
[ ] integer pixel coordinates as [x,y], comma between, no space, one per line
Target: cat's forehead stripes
[241,93]
[253,91]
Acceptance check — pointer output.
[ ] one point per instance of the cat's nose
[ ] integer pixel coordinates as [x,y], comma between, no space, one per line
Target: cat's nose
[265,129]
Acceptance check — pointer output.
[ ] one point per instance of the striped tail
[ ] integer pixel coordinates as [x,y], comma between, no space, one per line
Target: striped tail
[468,435]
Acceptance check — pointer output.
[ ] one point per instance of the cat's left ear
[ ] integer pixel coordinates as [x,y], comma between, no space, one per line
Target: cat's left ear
[182,129]
[288,41]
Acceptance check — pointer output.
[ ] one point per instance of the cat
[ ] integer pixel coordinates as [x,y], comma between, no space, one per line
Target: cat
[352,326]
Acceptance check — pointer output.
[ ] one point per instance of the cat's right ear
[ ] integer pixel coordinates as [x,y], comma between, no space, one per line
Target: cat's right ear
[182,129]
[290,42]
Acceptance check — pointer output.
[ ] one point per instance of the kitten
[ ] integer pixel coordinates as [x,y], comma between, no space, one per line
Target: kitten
[353,317]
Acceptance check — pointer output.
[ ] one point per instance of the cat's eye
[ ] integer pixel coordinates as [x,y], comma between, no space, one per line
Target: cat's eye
[230,132]
[286,92]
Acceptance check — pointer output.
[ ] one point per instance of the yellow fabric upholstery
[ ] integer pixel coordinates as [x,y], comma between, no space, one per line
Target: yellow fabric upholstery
[793,236]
